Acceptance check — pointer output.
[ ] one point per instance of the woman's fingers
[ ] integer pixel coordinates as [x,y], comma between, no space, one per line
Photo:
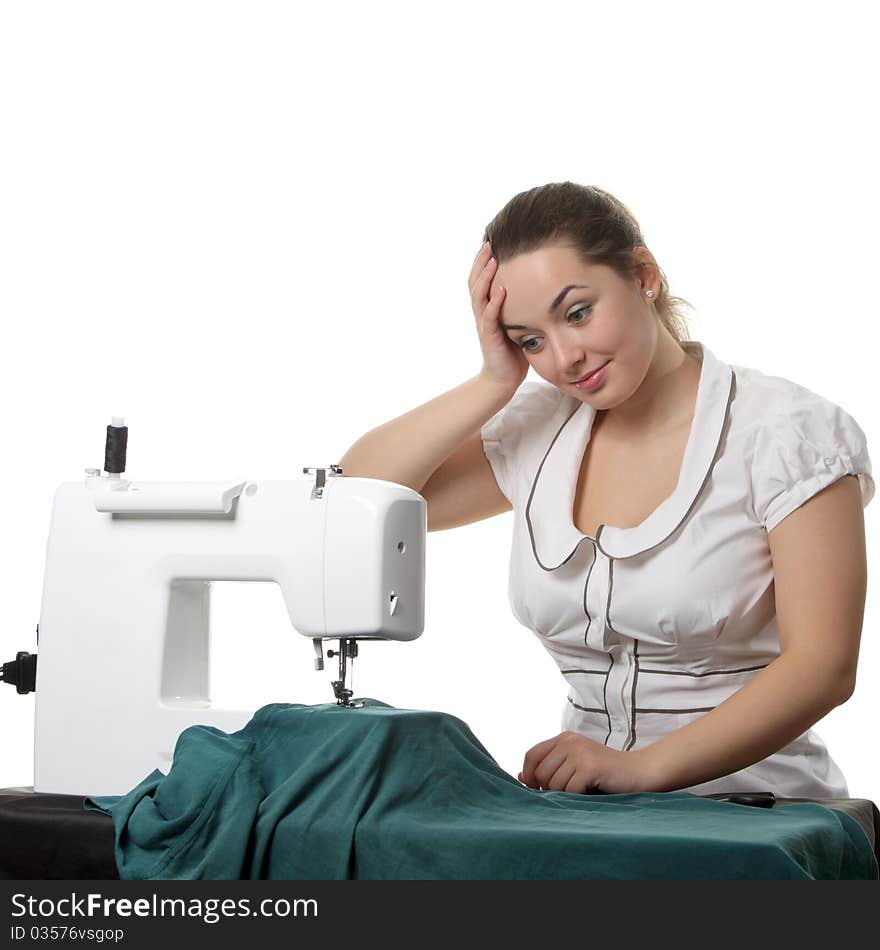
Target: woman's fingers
[533,759]
[481,275]
[483,255]
[562,777]
[480,289]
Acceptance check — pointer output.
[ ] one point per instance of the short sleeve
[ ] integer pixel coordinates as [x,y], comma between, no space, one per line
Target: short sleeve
[802,450]
[506,436]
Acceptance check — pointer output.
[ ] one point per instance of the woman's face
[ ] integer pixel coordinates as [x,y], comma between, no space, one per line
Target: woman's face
[566,334]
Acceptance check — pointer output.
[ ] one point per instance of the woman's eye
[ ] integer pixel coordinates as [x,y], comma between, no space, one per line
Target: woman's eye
[581,312]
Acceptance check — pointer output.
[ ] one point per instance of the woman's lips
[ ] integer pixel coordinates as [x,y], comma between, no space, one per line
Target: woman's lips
[594,379]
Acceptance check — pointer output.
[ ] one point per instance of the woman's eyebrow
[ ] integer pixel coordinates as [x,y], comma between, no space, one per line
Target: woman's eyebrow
[556,302]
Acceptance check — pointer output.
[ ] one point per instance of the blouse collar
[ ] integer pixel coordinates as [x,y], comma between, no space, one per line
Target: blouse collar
[549,510]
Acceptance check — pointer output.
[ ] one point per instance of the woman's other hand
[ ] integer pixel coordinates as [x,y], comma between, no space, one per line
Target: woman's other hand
[571,762]
[504,363]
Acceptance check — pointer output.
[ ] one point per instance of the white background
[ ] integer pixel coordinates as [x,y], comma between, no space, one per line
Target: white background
[247,227]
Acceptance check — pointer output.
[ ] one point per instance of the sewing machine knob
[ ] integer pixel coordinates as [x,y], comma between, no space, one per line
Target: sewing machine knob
[349,647]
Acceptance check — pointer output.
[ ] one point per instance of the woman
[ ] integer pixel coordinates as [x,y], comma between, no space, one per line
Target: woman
[688,536]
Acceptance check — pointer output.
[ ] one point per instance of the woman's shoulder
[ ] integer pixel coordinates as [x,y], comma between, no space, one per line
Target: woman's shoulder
[539,392]
[515,437]
[534,403]
[799,440]
[773,400]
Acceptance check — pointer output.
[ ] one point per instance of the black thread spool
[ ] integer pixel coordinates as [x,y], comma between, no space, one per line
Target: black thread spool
[115,447]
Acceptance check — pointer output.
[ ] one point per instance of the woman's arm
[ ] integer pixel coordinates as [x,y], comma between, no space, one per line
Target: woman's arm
[781,703]
[820,580]
[409,449]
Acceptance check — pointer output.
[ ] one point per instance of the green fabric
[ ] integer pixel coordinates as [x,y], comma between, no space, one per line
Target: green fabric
[323,792]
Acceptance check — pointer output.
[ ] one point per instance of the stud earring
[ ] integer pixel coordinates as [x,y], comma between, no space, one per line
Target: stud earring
[650,293]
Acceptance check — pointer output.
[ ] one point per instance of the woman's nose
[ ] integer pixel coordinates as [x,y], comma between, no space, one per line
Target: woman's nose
[569,355]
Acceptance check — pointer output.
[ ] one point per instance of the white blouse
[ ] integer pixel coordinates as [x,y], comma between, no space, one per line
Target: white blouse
[655,625]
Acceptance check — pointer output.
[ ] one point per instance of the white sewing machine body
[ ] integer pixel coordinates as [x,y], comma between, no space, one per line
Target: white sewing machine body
[124,626]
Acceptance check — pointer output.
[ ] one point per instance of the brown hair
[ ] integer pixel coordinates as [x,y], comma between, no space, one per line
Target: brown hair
[601,229]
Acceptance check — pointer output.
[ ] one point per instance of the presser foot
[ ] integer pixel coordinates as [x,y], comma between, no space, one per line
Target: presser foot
[347,650]
[343,695]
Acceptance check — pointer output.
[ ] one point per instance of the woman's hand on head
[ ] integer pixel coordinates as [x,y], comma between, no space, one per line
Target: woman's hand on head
[504,363]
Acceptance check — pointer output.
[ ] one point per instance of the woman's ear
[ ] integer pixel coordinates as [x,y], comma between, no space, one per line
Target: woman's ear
[646,271]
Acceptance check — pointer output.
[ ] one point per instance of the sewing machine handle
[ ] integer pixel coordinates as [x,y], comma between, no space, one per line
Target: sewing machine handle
[118,496]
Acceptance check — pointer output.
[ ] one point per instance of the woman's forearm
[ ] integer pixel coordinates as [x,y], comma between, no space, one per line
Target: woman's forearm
[409,449]
[775,707]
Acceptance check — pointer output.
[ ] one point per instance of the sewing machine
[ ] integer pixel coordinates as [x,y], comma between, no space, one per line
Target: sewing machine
[124,625]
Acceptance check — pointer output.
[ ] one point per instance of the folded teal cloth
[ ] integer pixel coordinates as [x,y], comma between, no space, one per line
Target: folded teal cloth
[325,792]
